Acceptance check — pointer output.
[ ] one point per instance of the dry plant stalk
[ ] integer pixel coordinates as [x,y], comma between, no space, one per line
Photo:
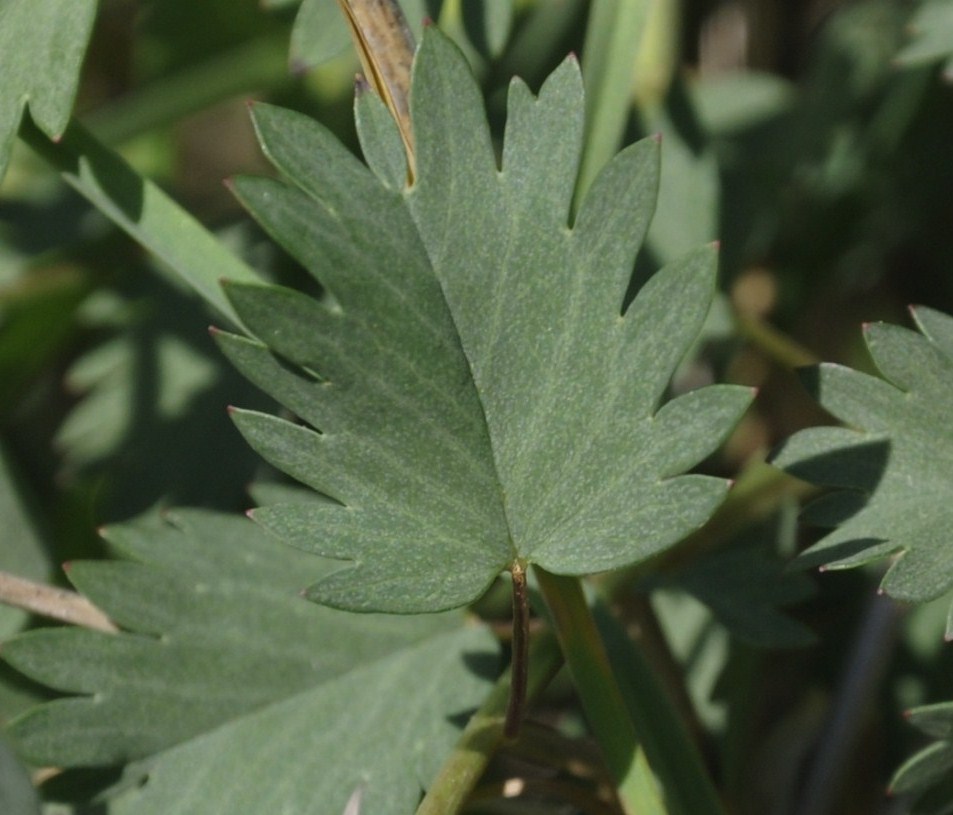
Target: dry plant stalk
[386,48]
[52,602]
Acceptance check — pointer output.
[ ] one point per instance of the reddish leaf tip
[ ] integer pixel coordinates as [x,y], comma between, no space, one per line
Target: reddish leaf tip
[101,530]
[298,67]
[67,565]
[865,326]
[250,514]
[657,137]
[303,593]
[229,184]
[230,409]
[361,85]
[214,330]
[715,245]
[428,21]
[822,569]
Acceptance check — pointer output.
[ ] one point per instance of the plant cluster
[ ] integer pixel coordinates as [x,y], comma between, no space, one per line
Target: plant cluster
[554,380]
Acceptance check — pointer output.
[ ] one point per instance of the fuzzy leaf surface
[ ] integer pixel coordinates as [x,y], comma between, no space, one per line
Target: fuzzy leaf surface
[892,467]
[472,393]
[42,44]
[217,641]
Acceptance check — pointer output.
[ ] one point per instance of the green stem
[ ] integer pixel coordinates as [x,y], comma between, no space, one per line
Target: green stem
[254,66]
[614,35]
[483,734]
[601,698]
[774,343]
[143,211]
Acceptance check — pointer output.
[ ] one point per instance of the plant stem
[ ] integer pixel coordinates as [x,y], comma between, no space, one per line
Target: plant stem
[614,34]
[775,344]
[520,646]
[601,698]
[254,66]
[52,602]
[143,211]
[483,734]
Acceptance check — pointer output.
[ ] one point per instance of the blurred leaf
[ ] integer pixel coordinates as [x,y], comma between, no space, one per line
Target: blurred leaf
[687,213]
[23,552]
[151,425]
[491,361]
[37,323]
[746,585]
[891,464]
[17,796]
[42,44]
[931,36]
[221,657]
[927,774]
[488,24]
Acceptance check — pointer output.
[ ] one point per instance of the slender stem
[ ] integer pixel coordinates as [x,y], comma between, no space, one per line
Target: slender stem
[774,343]
[483,734]
[143,211]
[254,66]
[614,36]
[55,603]
[601,698]
[520,651]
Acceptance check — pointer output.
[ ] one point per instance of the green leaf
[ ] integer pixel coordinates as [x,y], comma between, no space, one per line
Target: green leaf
[309,753]
[150,424]
[216,638]
[24,551]
[926,774]
[17,795]
[473,395]
[747,586]
[891,465]
[931,30]
[42,44]
[141,209]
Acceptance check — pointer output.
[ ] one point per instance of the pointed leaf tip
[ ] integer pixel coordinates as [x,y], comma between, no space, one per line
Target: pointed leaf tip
[657,137]
[361,85]
[66,566]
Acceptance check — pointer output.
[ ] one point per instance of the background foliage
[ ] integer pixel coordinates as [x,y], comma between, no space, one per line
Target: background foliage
[811,138]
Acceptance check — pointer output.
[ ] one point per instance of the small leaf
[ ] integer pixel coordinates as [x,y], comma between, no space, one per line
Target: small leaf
[472,394]
[926,774]
[894,460]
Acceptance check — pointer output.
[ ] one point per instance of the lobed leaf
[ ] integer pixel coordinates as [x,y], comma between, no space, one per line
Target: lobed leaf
[894,461]
[215,634]
[471,392]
